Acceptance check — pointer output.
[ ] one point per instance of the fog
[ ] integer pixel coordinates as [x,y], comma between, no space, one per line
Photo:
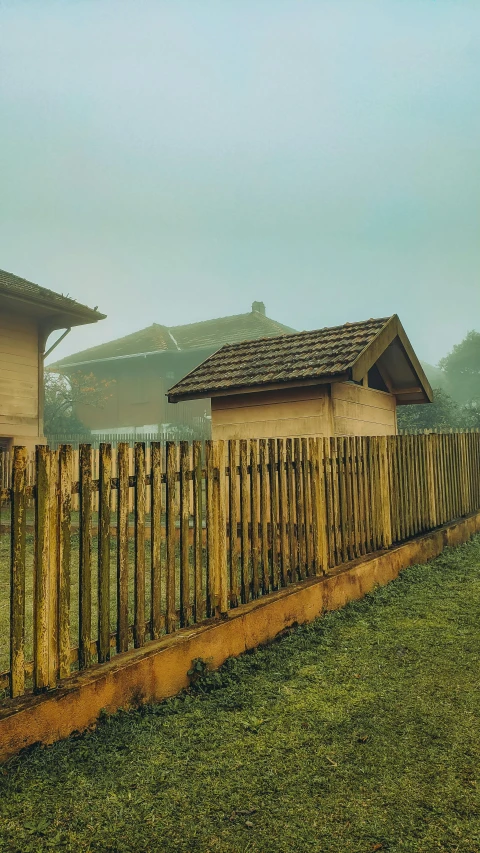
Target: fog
[174,161]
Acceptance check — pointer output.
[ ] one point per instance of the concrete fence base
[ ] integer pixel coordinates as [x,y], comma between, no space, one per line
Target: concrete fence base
[159,670]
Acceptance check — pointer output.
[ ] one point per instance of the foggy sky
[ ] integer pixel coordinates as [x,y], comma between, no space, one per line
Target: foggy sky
[174,161]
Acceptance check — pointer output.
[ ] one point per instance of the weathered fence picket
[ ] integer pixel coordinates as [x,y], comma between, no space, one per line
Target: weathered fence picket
[104,499]
[123,489]
[17,573]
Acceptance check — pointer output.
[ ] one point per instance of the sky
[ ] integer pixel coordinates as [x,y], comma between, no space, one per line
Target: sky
[173,161]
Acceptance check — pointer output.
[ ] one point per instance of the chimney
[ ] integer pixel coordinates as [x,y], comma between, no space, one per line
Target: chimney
[259,307]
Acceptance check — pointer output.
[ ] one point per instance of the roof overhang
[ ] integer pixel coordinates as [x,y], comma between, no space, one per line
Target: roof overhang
[399,367]
[259,389]
[50,316]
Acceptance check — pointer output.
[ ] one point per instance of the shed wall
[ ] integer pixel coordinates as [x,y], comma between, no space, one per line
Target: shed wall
[323,410]
[274,414]
[362,411]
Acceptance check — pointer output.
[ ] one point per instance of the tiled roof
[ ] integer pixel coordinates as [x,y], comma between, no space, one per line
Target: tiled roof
[227,330]
[157,338]
[152,339]
[13,286]
[301,356]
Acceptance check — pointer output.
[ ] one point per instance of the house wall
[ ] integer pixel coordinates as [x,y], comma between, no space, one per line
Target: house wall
[19,380]
[321,410]
[362,411]
[136,396]
[273,414]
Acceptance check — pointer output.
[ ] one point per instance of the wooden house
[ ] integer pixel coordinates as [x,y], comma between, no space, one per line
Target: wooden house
[28,315]
[143,365]
[345,380]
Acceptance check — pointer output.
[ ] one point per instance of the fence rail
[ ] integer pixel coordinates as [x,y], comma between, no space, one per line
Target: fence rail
[104,550]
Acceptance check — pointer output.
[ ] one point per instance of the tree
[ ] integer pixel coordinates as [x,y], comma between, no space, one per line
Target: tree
[443,413]
[461,368]
[61,395]
[470,414]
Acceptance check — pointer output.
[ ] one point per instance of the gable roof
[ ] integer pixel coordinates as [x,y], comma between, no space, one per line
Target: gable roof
[61,311]
[334,353]
[157,338]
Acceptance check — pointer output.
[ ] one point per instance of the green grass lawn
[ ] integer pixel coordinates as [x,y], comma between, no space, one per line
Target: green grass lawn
[358,733]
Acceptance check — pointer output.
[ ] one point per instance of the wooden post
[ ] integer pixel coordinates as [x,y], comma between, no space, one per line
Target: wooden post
[355,497]
[455,469]
[221,573]
[414,484]
[372,464]
[350,525]
[65,507]
[467,449]
[282,513]
[210,522]
[254,516]
[342,504]
[335,500]
[185,610]
[464,473]
[300,506]
[330,518]
[362,518]
[420,482]
[272,467]
[139,578]
[307,499]
[244,513]
[156,538]
[171,616]
[85,573]
[320,555]
[385,493]
[232,516]
[122,546]
[17,574]
[198,601]
[392,454]
[264,514]
[292,540]
[53,569]
[445,480]
[41,578]
[104,487]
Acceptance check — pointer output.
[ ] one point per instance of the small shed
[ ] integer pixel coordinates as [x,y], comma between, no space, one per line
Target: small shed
[343,380]
[28,315]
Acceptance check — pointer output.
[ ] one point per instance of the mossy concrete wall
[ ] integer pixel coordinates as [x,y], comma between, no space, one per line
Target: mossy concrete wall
[160,669]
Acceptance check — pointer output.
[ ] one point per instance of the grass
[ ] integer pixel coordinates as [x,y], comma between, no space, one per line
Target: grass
[360,732]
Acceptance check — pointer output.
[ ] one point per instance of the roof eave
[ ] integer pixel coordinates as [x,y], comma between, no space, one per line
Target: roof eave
[65,365]
[254,389]
[62,316]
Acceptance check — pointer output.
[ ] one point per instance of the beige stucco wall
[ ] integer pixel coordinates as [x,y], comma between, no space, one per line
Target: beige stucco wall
[19,379]
[322,410]
[362,411]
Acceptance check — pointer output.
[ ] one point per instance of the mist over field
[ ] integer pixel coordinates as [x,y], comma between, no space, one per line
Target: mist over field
[172,162]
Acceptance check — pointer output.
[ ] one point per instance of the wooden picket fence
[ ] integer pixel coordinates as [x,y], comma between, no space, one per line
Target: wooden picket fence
[196,529]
